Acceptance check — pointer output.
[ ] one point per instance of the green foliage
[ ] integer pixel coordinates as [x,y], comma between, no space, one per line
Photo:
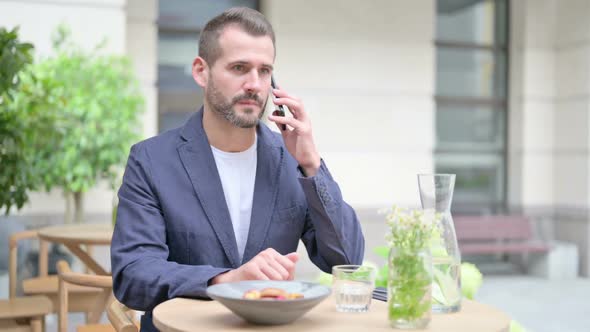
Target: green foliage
[411,230]
[383,271]
[66,120]
[98,102]
[409,284]
[471,277]
[471,280]
[14,55]
[410,275]
[362,274]
[16,128]
[516,327]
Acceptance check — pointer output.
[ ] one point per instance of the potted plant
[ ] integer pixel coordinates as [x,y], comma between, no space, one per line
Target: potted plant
[16,128]
[96,102]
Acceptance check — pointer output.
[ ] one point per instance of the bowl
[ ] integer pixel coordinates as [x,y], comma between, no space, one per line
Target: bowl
[268,312]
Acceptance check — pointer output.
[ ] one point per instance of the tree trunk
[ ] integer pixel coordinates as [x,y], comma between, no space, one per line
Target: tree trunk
[69,216]
[78,207]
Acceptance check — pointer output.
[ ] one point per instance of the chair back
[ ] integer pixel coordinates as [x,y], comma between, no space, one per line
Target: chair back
[66,276]
[13,262]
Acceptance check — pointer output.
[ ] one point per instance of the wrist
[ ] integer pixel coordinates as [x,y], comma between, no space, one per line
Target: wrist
[221,278]
[312,168]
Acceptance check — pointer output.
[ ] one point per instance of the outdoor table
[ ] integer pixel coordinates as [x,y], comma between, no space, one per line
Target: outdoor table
[182,314]
[74,236]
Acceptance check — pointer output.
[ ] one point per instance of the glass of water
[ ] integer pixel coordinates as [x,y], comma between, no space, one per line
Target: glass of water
[353,287]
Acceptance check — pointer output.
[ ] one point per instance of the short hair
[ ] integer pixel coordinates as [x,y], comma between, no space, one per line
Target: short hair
[247,19]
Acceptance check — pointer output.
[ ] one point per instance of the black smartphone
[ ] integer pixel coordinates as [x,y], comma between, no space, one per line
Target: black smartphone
[280,111]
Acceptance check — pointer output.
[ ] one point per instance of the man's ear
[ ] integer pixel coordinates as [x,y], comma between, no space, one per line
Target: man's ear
[200,71]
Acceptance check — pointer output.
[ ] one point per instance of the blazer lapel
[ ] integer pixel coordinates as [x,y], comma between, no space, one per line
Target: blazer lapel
[197,158]
[268,170]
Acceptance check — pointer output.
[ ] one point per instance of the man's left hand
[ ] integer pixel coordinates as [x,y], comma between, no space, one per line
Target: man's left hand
[298,134]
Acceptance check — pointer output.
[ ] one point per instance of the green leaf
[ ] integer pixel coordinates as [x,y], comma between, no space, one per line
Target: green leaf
[381,251]
[71,120]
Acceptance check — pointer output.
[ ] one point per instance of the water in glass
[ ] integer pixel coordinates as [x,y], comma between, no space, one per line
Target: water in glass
[352,296]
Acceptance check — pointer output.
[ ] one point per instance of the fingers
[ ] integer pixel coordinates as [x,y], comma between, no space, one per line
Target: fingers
[283,94]
[250,271]
[285,120]
[293,257]
[275,262]
[288,262]
[295,105]
[270,265]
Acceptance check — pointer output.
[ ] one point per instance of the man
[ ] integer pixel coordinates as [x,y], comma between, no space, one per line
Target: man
[224,198]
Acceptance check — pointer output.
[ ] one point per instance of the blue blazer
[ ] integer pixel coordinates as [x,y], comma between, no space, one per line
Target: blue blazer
[174,233]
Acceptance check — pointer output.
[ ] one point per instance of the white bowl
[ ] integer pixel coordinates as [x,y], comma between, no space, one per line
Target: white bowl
[268,312]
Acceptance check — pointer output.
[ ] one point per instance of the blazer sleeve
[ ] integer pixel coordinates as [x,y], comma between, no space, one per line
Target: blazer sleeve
[142,275]
[332,233]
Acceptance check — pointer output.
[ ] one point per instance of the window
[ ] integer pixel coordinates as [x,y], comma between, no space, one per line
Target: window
[179,25]
[471,101]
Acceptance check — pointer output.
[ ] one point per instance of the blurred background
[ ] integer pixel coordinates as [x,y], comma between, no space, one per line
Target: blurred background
[494,91]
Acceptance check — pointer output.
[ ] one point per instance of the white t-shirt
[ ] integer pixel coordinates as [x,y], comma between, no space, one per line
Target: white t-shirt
[237,171]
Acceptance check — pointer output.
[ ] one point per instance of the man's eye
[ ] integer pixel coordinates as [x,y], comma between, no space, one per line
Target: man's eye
[238,68]
[265,71]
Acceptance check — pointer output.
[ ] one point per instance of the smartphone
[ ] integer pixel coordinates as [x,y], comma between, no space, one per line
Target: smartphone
[280,111]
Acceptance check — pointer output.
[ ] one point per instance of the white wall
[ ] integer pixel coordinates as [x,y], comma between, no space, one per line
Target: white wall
[572,140]
[142,47]
[365,71]
[532,104]
[549,140]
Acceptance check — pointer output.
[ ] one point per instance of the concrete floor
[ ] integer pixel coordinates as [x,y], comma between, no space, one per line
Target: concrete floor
[540,305]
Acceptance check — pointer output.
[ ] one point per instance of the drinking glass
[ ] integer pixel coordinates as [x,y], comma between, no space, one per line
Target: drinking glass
[353,287]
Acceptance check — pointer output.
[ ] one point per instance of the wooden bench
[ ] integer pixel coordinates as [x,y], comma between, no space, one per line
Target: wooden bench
[497,234]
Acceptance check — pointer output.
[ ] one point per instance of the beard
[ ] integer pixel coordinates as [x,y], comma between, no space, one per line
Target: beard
[226,108]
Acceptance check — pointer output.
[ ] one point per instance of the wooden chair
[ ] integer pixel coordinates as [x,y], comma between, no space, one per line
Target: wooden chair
[121,317]
[80,298]
[24,314]
[69,279]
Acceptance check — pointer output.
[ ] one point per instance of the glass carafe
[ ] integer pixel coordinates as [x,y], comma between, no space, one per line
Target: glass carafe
[436,193]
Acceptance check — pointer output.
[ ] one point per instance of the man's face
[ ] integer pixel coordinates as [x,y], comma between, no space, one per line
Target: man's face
[239,81]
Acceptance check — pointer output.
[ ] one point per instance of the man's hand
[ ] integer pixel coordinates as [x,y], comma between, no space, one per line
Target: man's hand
[298,135]
[267,265]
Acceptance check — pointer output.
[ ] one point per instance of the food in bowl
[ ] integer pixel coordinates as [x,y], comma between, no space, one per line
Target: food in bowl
[271,294]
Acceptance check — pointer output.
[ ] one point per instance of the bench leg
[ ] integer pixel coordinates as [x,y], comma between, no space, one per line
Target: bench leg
[519,261]
[561,262]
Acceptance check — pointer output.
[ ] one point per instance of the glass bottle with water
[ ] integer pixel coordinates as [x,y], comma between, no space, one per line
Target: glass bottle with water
[436,193]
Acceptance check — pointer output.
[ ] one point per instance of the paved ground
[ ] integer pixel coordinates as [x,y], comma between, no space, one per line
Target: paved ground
[540,305]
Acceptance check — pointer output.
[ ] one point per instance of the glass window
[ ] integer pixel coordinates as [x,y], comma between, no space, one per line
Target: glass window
[462,128]
[471,101]
[179,25]
[467,72]
[472,21]
[479,182]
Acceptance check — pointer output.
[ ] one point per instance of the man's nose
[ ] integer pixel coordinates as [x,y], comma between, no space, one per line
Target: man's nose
[253,82]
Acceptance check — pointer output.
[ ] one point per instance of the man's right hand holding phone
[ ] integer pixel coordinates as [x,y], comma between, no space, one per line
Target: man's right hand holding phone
[297,135]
